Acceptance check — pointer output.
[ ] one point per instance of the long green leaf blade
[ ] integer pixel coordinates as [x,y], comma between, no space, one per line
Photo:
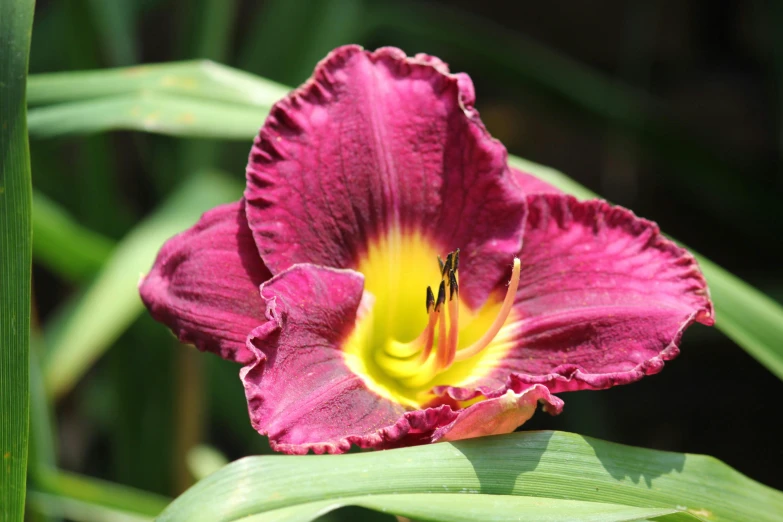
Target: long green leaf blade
[547,465]
[16,20]
[112,302]
[98,492]
[78,510]
[151,112]
[200,79]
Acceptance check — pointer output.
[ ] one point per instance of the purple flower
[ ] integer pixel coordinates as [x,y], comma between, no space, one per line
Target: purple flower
[413,287]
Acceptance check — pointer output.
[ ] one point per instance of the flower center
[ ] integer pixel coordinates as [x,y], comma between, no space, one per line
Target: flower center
[401,349]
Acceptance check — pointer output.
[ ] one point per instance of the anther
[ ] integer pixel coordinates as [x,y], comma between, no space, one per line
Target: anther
[453,286]
[441,296]
[447,265]
[441,265]
[455,261]
[430,299]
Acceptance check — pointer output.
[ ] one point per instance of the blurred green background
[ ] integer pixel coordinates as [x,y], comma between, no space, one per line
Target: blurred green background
[673,108]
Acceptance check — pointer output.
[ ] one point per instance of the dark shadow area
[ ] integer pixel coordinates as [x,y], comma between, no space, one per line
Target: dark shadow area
[500,462]
[498,465]
[619,461]
[355,514]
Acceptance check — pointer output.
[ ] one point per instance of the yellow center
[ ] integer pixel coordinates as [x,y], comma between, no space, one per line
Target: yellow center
[382,349]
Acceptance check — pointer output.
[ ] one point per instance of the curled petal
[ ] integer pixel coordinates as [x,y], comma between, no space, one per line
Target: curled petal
[300,392]
[204,284]
[377,143]
[603,298]
[303,396]
[499,415]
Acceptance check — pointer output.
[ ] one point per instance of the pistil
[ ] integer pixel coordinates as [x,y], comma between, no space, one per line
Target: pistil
[505,310]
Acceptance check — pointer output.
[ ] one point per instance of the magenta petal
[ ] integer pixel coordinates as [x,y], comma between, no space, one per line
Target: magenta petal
[204,284]
[376,141]
[603,297]
[498,415]
[299,390]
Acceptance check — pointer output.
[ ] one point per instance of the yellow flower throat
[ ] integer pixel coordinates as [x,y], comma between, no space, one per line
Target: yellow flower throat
[400,351]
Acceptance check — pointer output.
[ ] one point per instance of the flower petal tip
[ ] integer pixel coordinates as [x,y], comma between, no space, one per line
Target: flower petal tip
[605,297]
[204,284]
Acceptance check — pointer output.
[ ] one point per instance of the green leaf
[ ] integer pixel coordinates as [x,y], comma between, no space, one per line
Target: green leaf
[151,112]
[78,510]
[64,246]
[16,20]
[112,302]
[203,460]
[85,499]
[199,79]
[544,465]
[100,493]
[751,319]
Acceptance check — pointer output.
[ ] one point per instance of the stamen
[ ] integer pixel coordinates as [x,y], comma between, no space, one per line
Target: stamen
[440,264]
[441,354]
[453,338]
[434,316]
[493,330]
[456,261]
[453,286]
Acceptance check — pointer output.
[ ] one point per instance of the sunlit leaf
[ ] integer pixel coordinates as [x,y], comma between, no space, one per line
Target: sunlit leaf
[111,302]
[203,460]
[543,465]
[16,20]
[86,499]
[199,79]
[151,112]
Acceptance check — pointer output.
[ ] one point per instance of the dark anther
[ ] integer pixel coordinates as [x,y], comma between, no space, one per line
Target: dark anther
[455,263]
[441,265]
[430,299]
[453,286]
[441,296]
[447,265]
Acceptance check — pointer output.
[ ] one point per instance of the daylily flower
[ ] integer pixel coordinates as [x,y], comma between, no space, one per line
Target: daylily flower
[388,280]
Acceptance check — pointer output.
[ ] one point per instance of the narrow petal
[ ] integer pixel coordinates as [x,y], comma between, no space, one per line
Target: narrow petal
[603,298]
[377,143]
[498,415]
[204,284]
